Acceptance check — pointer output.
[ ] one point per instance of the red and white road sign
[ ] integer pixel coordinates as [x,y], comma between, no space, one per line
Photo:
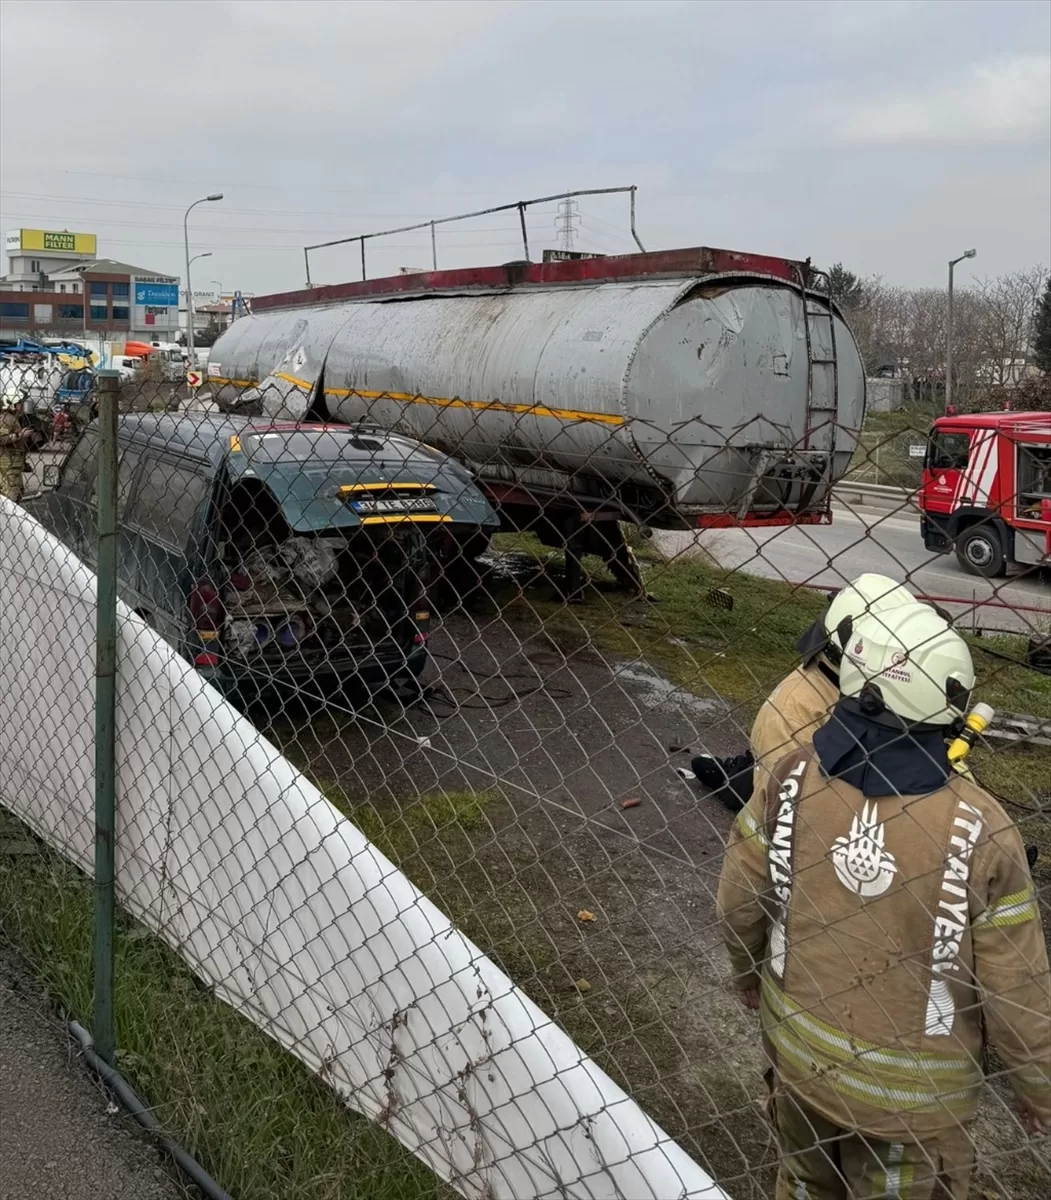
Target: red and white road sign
[194,378]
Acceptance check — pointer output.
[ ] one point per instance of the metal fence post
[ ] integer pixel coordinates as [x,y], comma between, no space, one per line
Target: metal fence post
[107,386]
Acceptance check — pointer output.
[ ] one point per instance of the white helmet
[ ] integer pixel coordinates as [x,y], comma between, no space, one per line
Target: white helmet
[868,593]
[907,664]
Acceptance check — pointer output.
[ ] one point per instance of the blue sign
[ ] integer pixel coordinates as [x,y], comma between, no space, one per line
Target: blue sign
[157,295]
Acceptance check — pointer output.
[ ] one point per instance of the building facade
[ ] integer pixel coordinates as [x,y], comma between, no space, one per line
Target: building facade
[71,293]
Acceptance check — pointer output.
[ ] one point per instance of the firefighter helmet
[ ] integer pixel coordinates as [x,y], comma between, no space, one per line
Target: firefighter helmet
[869,593]
[907,666]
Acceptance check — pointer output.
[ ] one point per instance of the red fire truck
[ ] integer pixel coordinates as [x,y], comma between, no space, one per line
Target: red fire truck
[987,491]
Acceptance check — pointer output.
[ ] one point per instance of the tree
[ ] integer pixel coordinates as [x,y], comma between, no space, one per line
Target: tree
[845,287]
[1042,331]
[1009,303]
[206,337]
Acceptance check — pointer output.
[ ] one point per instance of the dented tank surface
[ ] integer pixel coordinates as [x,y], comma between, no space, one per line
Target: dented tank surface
[679,396]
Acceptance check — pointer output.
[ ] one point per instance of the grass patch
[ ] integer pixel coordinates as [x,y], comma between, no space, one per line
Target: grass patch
[738,653]
[1003,679]
[1018,773]
[257,1120]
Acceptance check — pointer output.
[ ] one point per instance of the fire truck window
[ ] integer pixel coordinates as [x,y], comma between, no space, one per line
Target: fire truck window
[949,451]
[1034,481]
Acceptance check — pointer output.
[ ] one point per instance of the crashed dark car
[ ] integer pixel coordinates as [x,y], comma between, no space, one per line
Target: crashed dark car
[274,555]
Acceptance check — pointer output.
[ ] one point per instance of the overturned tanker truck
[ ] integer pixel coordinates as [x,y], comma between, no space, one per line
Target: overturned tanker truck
[682,389]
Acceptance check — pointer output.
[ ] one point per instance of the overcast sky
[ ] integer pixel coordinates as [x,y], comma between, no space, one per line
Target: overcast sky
[890,135]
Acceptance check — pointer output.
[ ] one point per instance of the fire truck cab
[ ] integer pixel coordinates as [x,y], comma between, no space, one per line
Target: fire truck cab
[986,491]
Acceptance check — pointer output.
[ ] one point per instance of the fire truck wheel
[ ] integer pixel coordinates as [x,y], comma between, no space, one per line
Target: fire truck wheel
[979,551]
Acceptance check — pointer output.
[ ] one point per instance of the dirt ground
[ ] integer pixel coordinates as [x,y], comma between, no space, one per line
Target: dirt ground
[553,739]
[61,1136]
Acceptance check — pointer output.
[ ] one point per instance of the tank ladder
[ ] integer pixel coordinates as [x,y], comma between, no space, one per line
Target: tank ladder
[822,383]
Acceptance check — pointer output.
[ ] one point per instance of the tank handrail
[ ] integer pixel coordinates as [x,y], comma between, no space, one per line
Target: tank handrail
[520,205]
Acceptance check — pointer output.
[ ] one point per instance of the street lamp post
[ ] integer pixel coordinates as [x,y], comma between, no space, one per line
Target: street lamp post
[948,331]
[189,282]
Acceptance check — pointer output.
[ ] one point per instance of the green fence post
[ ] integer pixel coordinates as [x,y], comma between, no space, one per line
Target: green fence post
[107,385]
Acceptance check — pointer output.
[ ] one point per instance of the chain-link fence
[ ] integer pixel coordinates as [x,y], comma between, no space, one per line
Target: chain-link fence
[424,777]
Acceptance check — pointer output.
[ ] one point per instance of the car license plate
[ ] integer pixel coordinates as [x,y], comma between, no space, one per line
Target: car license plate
[376,505]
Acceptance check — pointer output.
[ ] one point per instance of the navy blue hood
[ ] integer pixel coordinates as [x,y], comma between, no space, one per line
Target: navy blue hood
[880,760]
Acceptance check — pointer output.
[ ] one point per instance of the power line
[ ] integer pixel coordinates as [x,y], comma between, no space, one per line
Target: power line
[242,186]
[199,228]
[43,198]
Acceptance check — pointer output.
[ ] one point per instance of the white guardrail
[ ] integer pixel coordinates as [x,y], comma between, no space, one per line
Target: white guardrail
[294,918]
[876,495]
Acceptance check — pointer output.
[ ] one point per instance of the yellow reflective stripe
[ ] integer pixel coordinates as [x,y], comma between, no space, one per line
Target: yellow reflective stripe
[846,1048]
[432,519]
[242,383]
[1031,1076]
[1009,910]
[530,410]
[748,827]
[857,1087]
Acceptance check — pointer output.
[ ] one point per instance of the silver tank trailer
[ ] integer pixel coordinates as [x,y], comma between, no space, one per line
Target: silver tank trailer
[685,400]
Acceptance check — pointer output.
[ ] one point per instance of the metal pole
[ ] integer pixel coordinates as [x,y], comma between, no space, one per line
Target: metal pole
[525,236]
[948,346]
[189,285]
[633,233]
[306,259]
[363,275]
[108,383]
[434,249]
[189,295]
[948,328]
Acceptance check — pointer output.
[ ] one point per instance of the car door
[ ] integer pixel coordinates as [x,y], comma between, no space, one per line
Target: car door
[73,501]
[165,520]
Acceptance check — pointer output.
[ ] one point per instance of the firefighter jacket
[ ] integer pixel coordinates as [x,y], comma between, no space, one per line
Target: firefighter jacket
[12,455]
[794,709]
[10,433]
[890,940]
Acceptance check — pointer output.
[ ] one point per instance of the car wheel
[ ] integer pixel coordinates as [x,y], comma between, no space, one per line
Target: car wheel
[979,552]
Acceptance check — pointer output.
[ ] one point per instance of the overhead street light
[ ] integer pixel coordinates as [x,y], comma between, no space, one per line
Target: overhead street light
[948,330]
[189,283]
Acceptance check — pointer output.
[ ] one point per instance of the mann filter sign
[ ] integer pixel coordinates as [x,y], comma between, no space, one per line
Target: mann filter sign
[54,241]
[157,295]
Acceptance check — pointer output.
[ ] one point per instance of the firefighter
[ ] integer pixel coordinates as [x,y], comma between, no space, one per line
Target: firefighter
[13,442]
[804,699]
[878,910]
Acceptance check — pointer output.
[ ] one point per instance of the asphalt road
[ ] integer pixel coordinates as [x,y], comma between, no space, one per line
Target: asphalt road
[60,1137]
[872,540]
